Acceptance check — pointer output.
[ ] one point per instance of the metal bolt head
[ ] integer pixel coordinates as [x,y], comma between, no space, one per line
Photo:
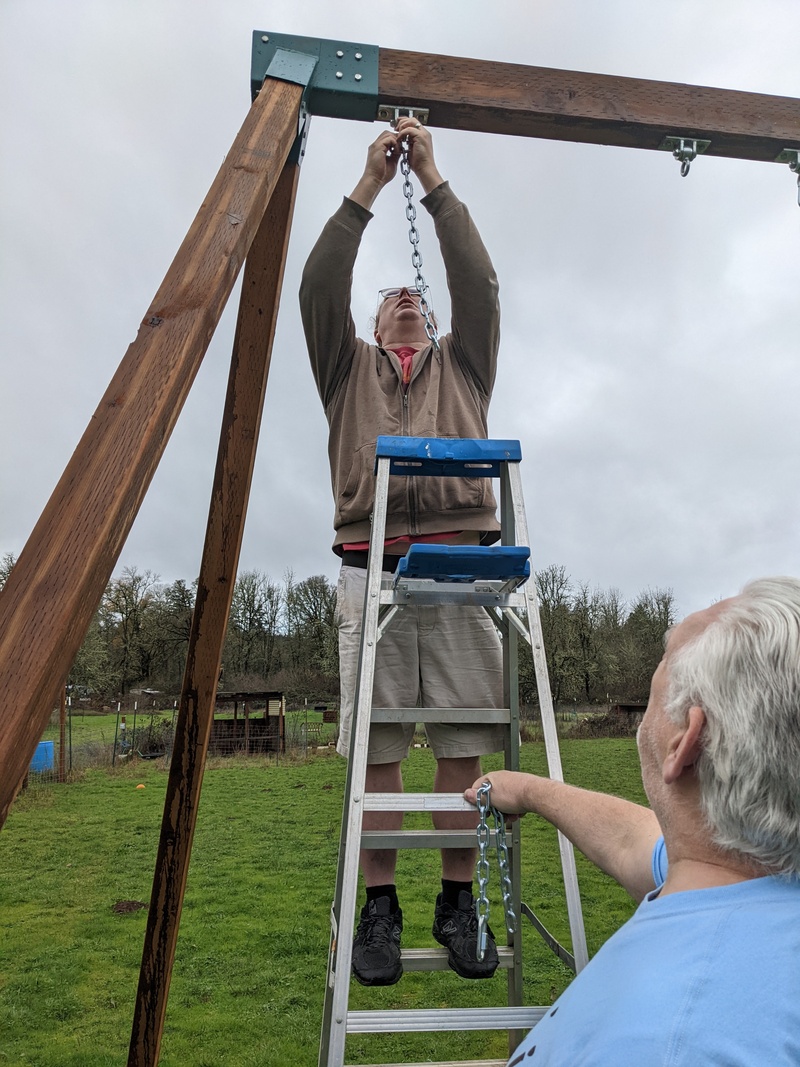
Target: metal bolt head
[265,39]
[358,55]
[339,74]
[358,77]
[340,54]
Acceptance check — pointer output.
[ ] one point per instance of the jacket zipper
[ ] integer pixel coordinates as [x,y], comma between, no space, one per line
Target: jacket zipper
[411,495]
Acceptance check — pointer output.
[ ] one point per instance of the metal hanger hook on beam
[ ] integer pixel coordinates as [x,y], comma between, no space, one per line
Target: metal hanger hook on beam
[684,149]
[792,157]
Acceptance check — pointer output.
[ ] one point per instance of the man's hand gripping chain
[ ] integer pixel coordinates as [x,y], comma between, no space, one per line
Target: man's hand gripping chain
[482,903]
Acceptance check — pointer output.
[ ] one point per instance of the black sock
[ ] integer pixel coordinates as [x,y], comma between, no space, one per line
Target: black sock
[390,891]
[451,890]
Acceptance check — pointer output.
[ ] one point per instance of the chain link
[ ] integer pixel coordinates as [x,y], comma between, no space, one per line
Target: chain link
[505,869]
[416,256]
[482,904]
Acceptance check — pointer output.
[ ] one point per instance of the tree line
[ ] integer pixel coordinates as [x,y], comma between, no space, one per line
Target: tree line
[282,636]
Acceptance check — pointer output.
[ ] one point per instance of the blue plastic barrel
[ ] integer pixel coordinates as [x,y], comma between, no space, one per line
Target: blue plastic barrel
[43,757]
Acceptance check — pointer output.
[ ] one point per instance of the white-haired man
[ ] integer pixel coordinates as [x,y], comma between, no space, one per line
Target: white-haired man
[439,656]
[707,971]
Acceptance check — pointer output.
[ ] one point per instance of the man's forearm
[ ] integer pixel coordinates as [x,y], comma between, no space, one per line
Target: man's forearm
[325,295]
[615,834]
[472,282]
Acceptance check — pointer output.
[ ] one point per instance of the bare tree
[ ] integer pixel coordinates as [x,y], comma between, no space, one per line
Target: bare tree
[123,608]
[310,614]
[6,563]
[254,624]
[652,614]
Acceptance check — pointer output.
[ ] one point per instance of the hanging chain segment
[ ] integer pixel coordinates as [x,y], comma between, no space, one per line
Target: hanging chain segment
[505,870]
[482,904]
[416,256]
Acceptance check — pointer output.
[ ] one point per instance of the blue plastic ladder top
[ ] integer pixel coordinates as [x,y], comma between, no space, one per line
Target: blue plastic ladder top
[465,563]
[454,457]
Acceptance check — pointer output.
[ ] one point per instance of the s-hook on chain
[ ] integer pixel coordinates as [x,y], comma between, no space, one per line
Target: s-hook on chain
[482,904]
[413,236]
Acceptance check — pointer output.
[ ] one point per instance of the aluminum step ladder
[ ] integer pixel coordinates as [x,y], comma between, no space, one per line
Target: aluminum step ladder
[494,578]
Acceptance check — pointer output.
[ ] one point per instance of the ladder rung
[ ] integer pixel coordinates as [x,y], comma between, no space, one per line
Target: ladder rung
[417,802]
[443,1063]
[502,715]
[435,959]
[421,839]
[439,1019]
[481,594]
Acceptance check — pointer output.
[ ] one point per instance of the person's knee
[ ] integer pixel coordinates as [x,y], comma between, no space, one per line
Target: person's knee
[458,770]
[383,777]
[456,763]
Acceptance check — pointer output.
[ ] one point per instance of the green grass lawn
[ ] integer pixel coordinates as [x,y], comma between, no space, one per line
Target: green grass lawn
[248,980]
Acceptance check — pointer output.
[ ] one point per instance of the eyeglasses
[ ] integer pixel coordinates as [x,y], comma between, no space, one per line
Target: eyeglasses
[412,290]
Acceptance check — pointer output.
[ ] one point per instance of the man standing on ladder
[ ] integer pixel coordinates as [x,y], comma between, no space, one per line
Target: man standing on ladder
[410,383]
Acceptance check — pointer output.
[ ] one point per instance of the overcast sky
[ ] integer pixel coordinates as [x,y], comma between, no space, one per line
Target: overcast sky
[651,324]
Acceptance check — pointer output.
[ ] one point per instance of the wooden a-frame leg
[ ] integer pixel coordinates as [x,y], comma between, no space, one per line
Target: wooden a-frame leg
[237,450]
[54,588]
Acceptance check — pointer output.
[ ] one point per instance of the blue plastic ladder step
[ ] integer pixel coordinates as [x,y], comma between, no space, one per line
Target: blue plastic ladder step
[465,563]
[460,457]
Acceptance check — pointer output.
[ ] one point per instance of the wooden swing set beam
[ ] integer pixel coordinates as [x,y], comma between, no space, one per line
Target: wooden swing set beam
[566,105]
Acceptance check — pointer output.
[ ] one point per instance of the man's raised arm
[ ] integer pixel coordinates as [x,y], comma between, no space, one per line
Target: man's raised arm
[328,273]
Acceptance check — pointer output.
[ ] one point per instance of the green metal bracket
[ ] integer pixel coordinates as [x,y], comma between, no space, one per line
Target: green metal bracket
[341,78]
[298,68]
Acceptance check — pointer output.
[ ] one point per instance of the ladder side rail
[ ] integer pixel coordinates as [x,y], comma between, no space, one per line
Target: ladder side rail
[514,974]
[508,527]
[549,730]
[334,1031]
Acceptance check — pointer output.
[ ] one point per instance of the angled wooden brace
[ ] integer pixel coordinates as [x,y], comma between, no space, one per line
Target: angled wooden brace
[252,349]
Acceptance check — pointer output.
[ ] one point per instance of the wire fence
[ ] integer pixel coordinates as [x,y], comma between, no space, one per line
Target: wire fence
[78,738]
[246,725]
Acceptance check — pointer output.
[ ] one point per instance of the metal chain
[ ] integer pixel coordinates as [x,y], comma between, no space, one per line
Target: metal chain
[413,236]
[482,904]
[505,870]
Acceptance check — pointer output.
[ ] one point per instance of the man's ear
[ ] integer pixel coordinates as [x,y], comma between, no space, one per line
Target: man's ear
[685,746]
[377,337]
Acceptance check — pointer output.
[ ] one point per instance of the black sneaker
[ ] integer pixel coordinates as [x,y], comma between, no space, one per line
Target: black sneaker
[376,949]
[457,930]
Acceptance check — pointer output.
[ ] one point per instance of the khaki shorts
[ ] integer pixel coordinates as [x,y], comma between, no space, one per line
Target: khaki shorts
[432,657]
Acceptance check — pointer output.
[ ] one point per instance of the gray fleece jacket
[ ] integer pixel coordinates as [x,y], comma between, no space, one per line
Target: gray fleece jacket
[361,384]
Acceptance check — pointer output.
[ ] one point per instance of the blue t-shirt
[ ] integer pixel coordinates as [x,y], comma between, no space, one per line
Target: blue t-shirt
[701,978]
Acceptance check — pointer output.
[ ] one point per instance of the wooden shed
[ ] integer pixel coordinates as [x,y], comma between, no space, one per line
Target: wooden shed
[248,724]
